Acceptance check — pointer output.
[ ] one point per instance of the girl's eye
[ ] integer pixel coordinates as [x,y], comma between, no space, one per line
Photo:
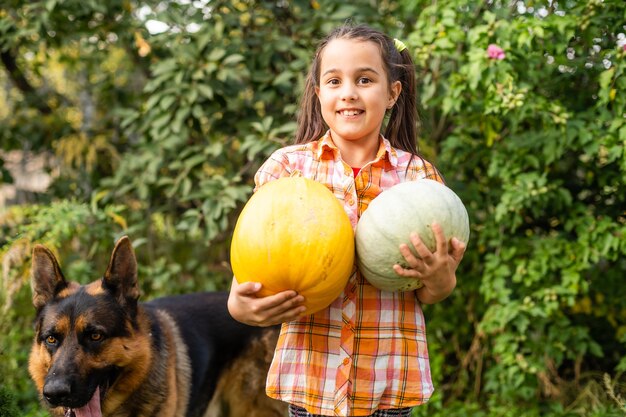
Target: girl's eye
[51,340]
[364,80]
[333,81]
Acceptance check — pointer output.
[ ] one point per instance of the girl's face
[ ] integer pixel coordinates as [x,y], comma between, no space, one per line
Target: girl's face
[354,91]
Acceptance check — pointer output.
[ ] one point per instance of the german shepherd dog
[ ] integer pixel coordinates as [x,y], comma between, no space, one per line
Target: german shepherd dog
[99,353]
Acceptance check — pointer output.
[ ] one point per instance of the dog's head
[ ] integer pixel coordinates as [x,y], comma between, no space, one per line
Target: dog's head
[85,335]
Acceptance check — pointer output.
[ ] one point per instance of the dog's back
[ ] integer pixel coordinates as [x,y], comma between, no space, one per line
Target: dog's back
[219,346]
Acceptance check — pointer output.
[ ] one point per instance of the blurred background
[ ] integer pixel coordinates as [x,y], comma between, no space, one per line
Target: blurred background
[149,118]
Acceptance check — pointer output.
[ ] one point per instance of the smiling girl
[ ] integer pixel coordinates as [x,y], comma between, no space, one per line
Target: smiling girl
[365,354]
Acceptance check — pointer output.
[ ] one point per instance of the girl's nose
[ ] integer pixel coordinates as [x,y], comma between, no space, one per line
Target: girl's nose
[348,92]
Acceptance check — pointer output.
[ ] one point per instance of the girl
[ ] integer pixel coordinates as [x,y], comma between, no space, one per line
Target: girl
[366,354]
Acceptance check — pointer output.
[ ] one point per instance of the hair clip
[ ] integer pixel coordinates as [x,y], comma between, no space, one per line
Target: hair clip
[400,46]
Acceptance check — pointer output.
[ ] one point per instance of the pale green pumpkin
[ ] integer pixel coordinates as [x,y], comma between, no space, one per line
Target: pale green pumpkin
[407,207]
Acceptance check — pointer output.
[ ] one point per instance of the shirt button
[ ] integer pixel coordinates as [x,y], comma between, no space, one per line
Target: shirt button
[346,361]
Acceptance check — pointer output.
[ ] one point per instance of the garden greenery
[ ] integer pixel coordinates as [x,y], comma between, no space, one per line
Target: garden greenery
[155,115]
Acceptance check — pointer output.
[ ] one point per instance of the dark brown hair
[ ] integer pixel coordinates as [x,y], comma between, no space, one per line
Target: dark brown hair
[401,128]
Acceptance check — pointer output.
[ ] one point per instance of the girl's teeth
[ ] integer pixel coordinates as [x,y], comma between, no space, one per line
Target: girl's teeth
[350,112]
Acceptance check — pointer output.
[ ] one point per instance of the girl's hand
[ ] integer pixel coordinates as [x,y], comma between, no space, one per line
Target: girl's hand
[246,307]
[436,270]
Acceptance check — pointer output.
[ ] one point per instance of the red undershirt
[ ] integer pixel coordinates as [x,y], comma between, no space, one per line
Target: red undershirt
[356,171]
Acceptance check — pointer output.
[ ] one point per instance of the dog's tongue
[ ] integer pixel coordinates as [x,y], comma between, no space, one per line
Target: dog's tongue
[92,408]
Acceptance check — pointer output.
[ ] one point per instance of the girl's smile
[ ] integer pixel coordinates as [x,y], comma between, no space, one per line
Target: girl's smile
[350,112]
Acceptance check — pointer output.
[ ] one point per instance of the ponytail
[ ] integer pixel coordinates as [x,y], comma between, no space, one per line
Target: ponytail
[311,125]
[402,125]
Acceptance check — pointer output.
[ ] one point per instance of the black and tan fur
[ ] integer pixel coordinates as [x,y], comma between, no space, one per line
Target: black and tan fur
[174,356]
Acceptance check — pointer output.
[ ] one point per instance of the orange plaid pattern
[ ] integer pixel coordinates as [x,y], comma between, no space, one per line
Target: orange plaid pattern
[367,350]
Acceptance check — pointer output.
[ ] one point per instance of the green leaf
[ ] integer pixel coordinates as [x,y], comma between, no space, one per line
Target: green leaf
[205,90]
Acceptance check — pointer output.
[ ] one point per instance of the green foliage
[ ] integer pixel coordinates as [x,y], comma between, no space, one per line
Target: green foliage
[8,405]
[534,143]
[228,88]
[158,134]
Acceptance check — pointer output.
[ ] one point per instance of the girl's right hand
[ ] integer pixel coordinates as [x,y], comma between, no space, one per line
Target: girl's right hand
[247,308]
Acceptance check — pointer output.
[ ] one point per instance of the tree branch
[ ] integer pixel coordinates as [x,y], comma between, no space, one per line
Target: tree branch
[9,61]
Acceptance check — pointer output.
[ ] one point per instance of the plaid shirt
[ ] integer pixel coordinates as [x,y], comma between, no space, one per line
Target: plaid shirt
[367,350]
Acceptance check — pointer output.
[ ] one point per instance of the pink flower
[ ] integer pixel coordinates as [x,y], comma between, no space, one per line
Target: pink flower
[495,52]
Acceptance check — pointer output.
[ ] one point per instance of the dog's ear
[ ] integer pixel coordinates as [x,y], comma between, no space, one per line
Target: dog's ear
[121,275]
[47,280]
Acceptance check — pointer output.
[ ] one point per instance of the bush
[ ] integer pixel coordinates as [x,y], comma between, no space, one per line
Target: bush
[157,135]
[8,405]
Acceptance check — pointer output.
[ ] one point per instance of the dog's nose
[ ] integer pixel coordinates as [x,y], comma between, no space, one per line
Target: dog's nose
[57,391]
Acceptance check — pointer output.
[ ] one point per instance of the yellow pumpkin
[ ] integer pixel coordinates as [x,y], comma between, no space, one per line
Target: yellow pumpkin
[293,234]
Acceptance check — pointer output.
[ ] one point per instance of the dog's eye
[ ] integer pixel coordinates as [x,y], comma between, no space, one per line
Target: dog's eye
[96,337]
[51,340]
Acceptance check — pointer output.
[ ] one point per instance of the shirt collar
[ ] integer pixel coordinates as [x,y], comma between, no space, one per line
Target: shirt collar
[385,151]
[326,144]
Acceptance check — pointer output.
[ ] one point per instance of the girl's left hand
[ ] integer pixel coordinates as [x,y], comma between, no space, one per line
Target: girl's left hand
[436,270]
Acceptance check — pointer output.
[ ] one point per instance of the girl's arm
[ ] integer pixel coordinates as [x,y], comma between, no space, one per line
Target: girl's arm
[436,270]
[247,308]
